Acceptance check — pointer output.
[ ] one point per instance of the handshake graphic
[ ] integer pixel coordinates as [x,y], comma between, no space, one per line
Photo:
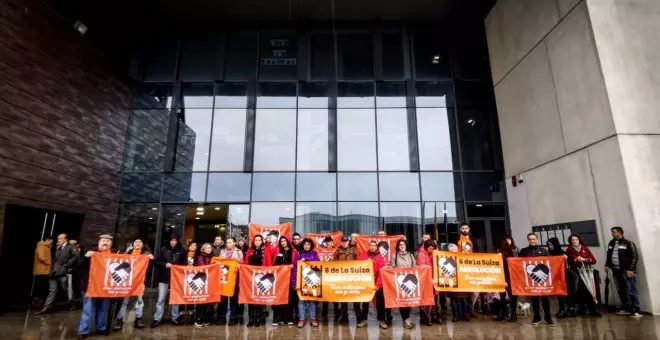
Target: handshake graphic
[196,282]
[120,271]
[408,283]
[264,282]
[539,272]
[312,279]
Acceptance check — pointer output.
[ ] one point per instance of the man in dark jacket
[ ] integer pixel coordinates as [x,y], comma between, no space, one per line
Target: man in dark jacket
[93,308]
[65,258]
[346,252]
[622,259]
[169,255]
[534,250]
[218,245]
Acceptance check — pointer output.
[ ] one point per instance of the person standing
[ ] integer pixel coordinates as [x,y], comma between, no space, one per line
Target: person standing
[307,254]
[96,308]
[579,256]
[41,268]
[534,250]
[218,245]
[425,258]
[287,254]
[566,302]
[346,252]
[137,249]
[202,317]
[466,244]
[242,246]
[404,259]
[296,239]
[373,254]
[425,237]
[508,249]
[172,254]
[65,259]
[230,252]
[257,256]
[622,259]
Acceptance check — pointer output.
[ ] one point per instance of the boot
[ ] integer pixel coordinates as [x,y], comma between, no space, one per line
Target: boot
[118,325]
[501,315]
[513,317]
[251,321]
[138,323]
[562,314]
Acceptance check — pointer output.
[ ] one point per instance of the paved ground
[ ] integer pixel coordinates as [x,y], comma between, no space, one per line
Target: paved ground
[61,325]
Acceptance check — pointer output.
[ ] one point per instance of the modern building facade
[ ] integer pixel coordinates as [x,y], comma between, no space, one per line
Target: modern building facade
[332,117]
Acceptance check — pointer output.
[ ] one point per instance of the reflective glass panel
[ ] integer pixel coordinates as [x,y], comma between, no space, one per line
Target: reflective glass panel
[402,219]
[399,186]
[445,217]
[358,186]
[392,55]
[356,139]
[238,219]
[197,95]
[273,186]
[358,217]
[184,187]
[476,140]
[231,95]
[192,151]
[436,138]
[146,154]
[275,140]
[140,187]
[484,186]
[323,57]
[441,186]
[432,58]
[433,94]
[276,95]
[199,57]
[393,152]
[315,217]
[391,94]
[356,56]
[312,95]
[355,95]
[228,139]
[312,139]
[229,187]
[271,213]
[317,186]
[241,59]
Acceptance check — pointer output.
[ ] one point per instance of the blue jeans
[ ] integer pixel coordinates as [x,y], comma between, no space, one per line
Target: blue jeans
[627,289]
[312,309]
[96,307]
[163,290]
[138,308]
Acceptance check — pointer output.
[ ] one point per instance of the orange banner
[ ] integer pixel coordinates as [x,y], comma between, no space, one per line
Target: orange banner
[323,248]
[407,287]
[537,276]
[228,272]
[194,285]
[116,275]
[264,285]
[386,244]
[343,281]
[270,233]
[468,272]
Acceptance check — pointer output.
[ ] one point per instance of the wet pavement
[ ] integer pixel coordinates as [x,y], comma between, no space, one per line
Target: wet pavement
[62,325]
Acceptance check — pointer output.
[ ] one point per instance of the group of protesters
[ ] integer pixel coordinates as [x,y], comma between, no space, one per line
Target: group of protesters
[621,260]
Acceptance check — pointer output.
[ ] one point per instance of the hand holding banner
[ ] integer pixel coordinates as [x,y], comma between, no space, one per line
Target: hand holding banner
[228,272]
[116,275]
[386,244]
[271,233]
[407,287]
[323,248]
[468,272]
[537,276]
[194,285]
[264,285]
[343,281]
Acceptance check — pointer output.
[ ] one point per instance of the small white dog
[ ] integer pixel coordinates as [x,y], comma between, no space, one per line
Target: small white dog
[524,307]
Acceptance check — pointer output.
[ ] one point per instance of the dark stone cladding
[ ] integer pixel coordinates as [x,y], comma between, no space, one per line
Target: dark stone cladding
[63,118]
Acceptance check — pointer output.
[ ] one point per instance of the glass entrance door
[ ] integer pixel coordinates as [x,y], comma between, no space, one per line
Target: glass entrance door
[487,234]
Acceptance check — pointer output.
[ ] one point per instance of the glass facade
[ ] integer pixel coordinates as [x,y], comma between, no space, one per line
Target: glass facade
[356,129]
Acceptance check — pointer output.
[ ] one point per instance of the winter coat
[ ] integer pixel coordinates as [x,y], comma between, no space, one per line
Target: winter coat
[235,254]
[203,259]
[217,250]
[65,260]
[346,254]
[533,251]
[403,260]
[584,252]
[557,251]
[424,258]
[42,258]
[379,263]
[282,257]
[175,256]
[258,257]
[628,255]
[308,256]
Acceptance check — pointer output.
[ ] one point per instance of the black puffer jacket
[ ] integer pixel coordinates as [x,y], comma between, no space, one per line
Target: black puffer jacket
[533,251]
[167,254]
[557,251]
[628,255]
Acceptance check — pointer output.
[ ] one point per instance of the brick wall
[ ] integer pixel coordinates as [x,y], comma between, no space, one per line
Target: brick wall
[63,118]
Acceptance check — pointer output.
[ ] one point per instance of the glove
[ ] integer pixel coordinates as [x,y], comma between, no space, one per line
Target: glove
[408,283]
[120,271]
[447,266]
[311,276]
[538,273]
[264,282]
[196,281]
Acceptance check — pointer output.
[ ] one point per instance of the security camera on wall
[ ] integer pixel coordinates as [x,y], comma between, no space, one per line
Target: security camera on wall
[516,179]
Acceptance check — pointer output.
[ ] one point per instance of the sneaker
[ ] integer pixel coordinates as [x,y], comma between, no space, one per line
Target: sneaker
[199,324]
[408,324]
[536,322]
[315,323]
[382,324]
[177,322]
[290,323]
[156,323]
[275,324]
[118,326]
[362,323]
[622,312]
[550,322]
[636,315]
[301,323]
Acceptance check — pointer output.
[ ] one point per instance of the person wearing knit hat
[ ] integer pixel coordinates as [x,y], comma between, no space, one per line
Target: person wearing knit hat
[171,254]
